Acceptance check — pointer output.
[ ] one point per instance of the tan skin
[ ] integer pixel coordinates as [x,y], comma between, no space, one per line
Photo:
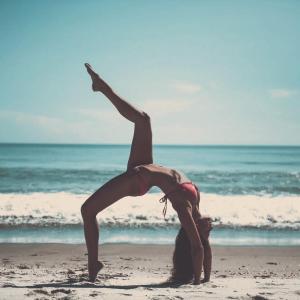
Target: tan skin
[140,163]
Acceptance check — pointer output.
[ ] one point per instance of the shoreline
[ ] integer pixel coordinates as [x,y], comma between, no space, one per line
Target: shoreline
[147,235]
[54,269]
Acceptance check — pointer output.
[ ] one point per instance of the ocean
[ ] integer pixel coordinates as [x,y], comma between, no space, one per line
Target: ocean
[252,193]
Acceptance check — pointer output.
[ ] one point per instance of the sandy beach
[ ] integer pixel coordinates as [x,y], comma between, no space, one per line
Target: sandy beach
[58,271]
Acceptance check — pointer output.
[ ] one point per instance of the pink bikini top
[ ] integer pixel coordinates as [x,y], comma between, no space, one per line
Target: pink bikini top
[189,187]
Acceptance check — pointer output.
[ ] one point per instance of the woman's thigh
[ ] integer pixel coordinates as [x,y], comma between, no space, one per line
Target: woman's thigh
[141,146]
[115,189]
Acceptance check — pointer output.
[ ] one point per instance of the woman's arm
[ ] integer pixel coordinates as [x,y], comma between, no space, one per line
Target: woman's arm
[204,226]
[207,260]
[187,222]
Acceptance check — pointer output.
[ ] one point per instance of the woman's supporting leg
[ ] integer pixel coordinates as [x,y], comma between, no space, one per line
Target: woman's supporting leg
[109,193]
[141,148]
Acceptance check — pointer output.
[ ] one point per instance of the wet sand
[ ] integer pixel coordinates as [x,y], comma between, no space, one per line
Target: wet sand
[58,271]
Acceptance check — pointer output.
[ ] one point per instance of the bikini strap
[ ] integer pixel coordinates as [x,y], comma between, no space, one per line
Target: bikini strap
[164,199]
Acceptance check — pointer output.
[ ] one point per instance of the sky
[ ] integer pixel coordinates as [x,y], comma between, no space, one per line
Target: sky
[207,72]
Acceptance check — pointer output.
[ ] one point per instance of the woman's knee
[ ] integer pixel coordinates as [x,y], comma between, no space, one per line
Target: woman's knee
[86,211]
[144,117]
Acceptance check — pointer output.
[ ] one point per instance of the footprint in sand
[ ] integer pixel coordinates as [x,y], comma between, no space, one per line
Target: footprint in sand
[41,292]
[267,293]
[64,291]
[126,258]
[262,276]
[76,259]
[258,297]
[23,267]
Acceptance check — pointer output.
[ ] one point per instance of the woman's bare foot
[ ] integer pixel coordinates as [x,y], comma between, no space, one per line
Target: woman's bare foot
[99,85]
[94,270]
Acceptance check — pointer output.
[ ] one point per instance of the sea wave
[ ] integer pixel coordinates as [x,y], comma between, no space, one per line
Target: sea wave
[82,181]
[63,209]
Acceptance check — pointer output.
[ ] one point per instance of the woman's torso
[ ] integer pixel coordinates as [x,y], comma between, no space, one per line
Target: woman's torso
[169,181]
[165,178]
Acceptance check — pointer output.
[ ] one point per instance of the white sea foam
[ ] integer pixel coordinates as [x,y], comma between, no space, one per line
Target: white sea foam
[47,209]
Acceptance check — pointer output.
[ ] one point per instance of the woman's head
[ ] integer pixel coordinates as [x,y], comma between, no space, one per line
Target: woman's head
[183,271]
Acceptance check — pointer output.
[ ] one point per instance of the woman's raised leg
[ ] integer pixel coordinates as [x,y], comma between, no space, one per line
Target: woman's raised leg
[141,148]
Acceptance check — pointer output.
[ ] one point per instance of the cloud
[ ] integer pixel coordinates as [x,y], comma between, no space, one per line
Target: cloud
[49,125]
[54,125]
[166,106]
[186,87]
[281,93]
[79,126]
[96,114]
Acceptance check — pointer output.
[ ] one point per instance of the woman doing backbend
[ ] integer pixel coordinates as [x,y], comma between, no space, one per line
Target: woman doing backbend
[192,248]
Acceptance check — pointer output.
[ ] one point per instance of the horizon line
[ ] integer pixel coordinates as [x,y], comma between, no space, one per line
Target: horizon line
[159,144]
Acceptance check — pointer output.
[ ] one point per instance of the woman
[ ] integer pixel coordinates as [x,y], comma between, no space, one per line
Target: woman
[140,176]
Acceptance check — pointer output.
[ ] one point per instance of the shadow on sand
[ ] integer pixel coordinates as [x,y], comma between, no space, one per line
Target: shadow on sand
[67,284]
